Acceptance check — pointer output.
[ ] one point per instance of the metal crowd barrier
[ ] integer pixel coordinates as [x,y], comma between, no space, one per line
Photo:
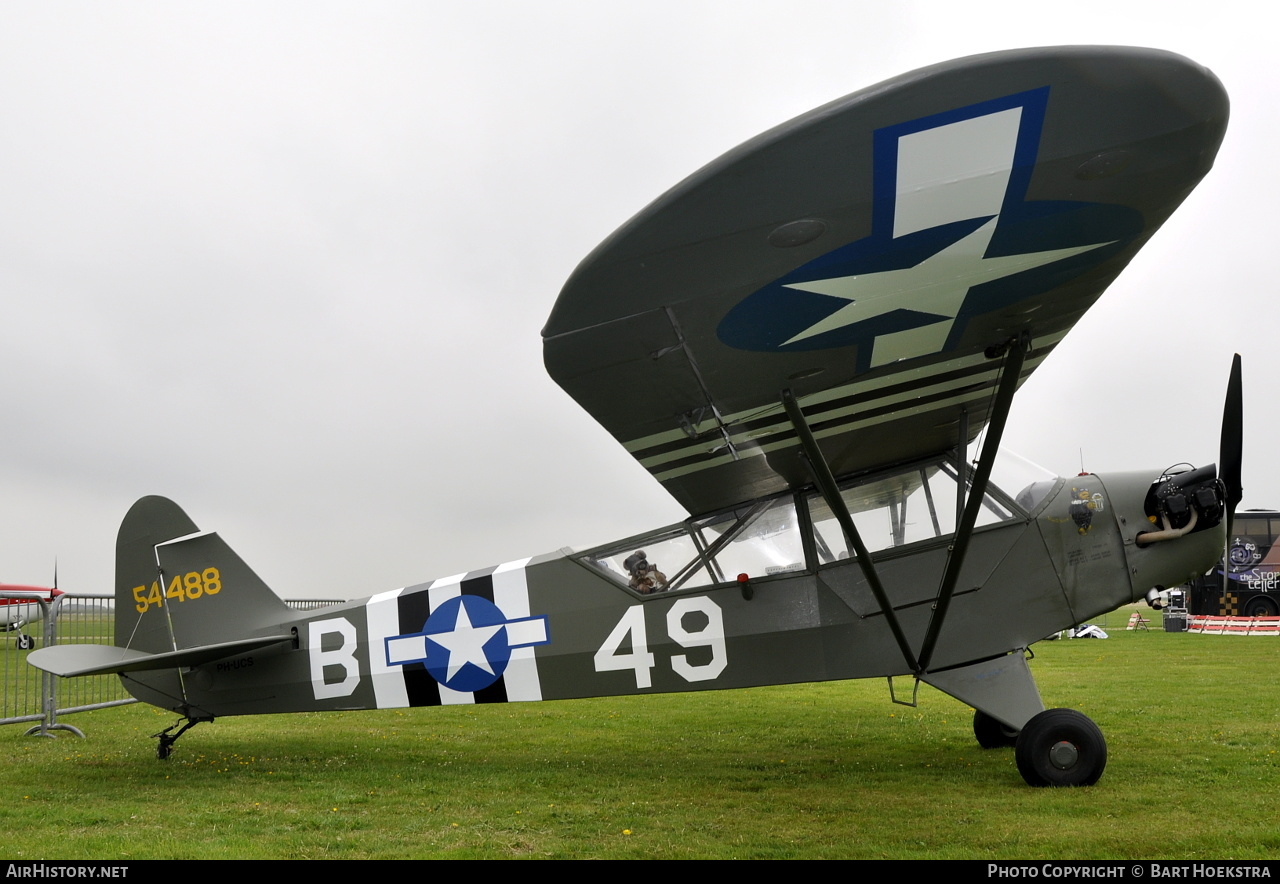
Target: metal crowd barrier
[29,695]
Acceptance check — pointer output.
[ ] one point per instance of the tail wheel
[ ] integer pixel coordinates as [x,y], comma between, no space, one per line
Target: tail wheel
[992,733]
[1061,747]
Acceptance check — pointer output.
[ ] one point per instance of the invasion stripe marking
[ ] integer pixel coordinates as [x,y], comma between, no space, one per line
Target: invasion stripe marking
[722,459]
[854,405]
[482,585]
[414,606]
[770,419]
[441,591]
[924,375]
[396,618]
[382,618]
[836,422]
[511,594]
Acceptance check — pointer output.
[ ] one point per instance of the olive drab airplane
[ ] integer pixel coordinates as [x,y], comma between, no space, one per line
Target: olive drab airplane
[800,341]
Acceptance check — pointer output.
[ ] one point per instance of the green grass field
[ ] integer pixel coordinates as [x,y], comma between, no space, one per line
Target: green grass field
[808,771]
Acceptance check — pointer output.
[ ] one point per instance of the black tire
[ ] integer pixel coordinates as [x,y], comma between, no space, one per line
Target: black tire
[1061,747]
[1261,606]
[991,733]
[26,642]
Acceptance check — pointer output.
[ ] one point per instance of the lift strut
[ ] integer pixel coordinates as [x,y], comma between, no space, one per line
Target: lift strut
[831,494]
[1014,353]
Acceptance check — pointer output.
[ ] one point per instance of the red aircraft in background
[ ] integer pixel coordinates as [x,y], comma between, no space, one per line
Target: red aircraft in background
[19,606]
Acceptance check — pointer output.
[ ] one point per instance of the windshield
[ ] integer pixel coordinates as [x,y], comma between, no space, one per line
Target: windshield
[1026,482]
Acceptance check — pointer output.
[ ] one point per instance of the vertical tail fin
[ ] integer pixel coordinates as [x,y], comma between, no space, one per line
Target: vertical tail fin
[183,599]
[178,588]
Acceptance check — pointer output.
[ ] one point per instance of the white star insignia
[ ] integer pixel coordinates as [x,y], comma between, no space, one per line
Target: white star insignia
[937,285]
[465,643]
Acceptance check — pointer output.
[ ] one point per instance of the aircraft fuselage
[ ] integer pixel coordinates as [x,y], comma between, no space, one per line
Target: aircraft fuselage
[563,625]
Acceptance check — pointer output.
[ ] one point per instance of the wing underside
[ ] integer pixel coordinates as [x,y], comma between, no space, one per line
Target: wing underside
[868,255]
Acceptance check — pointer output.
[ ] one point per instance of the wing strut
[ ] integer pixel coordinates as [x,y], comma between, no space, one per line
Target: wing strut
[831,493]
[1014,357]
[962,463]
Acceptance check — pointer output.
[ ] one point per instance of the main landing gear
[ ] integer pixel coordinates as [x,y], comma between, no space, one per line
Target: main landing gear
[993,733]
[1057,747]
[1061,747]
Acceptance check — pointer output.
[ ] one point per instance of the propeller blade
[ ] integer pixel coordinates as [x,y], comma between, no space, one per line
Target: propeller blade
[1230,456]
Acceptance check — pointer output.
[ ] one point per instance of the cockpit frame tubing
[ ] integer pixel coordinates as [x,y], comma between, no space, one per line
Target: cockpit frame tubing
[707,554]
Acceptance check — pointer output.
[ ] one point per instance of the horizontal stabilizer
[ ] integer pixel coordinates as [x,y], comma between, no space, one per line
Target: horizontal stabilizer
[72,660]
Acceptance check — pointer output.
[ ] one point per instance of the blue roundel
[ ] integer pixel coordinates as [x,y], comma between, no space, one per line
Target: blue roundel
[467,646]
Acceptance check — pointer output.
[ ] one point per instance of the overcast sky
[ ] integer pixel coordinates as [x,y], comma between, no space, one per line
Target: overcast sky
[287,263]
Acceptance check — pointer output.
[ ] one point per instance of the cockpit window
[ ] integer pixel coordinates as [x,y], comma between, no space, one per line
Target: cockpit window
[764,538]
[648,564]
[758,539]
[893,510]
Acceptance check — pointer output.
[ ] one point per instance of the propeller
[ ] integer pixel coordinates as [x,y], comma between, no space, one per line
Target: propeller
[1230,457]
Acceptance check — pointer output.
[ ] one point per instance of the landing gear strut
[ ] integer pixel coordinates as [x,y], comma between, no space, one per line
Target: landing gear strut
[164,746]
[1060,747]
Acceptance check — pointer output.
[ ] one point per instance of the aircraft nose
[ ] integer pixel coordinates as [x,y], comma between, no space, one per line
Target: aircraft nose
[1172,525]
[1183,502]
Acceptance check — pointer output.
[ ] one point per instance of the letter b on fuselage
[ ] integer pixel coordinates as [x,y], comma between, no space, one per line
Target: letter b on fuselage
[331,647]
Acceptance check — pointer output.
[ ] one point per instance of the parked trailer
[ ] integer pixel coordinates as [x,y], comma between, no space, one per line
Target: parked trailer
[1252,570]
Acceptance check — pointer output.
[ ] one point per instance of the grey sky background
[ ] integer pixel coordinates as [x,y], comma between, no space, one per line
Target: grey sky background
[287,263]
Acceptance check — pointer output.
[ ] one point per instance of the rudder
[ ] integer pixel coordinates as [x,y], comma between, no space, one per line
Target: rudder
[179,588]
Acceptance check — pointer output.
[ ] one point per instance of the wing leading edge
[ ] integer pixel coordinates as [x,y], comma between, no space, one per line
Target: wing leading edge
[867,254]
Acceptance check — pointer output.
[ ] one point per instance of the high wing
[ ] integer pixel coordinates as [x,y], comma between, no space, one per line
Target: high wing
[868,255]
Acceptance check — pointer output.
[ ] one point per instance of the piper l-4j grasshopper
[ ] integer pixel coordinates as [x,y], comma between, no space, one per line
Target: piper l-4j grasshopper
[800,341]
